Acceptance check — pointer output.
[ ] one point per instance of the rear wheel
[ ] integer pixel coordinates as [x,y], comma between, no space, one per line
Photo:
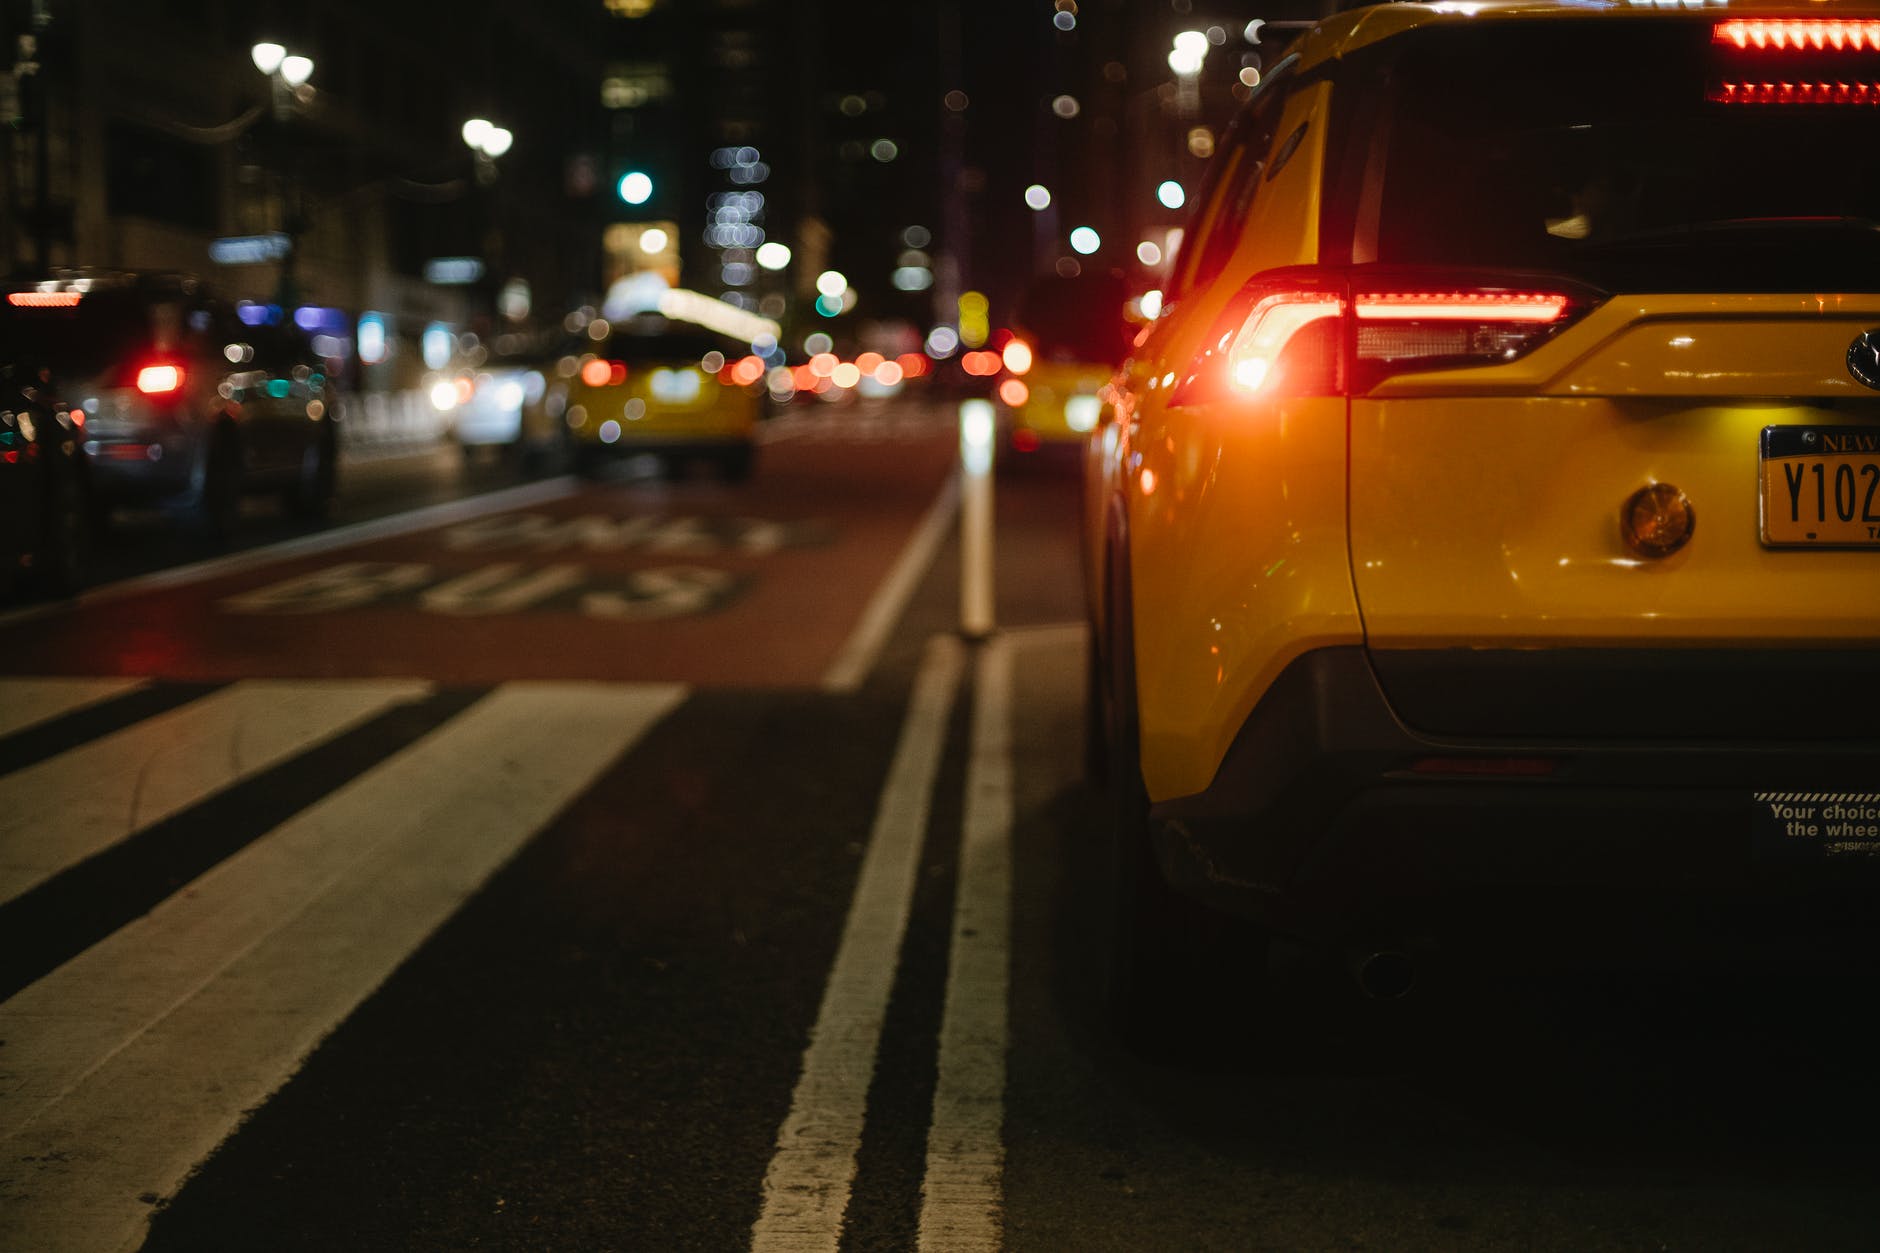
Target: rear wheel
[735,464]
[220,503]
[1175,964]
[60,564]
[312,493]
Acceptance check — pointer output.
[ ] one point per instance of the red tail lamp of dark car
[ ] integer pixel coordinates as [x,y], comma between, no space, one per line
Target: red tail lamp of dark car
[160,380]
[1309,332]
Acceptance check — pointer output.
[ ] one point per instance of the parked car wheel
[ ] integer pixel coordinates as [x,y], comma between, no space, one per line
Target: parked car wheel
[312,495]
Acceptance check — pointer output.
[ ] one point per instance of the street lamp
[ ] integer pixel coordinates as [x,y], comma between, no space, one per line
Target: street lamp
[287,74]
[487,141]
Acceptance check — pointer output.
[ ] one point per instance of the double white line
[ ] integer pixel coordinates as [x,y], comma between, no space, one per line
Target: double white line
[806,1190]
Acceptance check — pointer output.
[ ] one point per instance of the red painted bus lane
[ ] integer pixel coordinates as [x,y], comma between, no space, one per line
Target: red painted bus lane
[752,586]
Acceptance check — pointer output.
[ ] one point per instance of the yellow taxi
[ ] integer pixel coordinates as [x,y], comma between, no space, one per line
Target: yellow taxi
[1069,335]
[1483,544]
[668,389]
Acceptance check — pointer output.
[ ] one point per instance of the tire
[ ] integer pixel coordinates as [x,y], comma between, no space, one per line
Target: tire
[312,493]
[588,462]
[59,569]
[1096,718]
[735,464]
[219,505]
[1173,962]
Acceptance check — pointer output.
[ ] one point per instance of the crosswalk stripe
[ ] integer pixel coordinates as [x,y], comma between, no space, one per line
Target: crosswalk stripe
[806,1188]
[121,1071]
[60,811]
[28,702]
[963,1187]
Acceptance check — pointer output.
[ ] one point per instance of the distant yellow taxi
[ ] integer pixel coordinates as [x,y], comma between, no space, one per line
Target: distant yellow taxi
[1485,538]
[669,390]
[1070,335]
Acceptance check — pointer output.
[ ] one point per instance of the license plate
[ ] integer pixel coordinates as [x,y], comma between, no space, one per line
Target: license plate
[1821,486]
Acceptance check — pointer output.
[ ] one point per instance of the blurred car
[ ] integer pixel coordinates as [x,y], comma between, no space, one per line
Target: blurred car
[1485,539]
[669,389]
[43,491]
[1071,334]
[516,403]
[184,404]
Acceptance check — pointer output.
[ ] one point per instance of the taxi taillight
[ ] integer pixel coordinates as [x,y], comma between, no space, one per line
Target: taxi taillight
[160,380]
[601,373]
[1799,34]
[1306,332]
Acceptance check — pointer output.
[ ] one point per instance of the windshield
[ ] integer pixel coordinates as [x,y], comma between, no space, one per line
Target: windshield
[1597,150]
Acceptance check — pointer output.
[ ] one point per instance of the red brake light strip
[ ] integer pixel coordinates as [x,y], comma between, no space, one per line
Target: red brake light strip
[1461,306]
[1797,93]
[43,299]
[1821,34]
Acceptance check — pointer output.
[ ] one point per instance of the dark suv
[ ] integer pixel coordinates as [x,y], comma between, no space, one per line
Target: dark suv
[184,404]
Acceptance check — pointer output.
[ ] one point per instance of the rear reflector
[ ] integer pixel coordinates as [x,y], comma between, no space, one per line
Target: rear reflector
[1796,93]
[1785,34]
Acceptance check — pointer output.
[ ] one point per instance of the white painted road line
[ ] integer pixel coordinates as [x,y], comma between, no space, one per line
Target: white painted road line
[58,812]
[962,1193]
[857,657]
[320,542]
[121,1072]
[806,1189]
[27,702]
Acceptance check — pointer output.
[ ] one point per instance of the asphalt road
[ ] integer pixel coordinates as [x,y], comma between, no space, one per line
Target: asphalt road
[507,889]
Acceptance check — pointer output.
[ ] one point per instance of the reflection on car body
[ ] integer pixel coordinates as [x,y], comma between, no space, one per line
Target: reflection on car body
[1481,526]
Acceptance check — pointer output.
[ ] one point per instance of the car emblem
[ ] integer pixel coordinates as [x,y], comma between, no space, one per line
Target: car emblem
[1863,359]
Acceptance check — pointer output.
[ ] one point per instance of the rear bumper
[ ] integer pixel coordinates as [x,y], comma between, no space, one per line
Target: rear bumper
[1330,819]
[665,446]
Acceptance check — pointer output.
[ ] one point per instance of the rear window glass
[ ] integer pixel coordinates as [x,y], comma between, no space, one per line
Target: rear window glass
[1594,149]
[658,339]
[77,343]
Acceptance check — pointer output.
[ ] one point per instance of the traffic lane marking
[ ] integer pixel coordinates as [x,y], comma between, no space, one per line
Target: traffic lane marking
[60,811]
[778,613]
[122,1072]
[329,540]
[962,1188]
[28,702]
[806,1187]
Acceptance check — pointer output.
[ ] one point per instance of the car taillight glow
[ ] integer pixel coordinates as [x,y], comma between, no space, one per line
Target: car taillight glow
[1797,93]
[1306,332]
[1783,34]
[1461,306]
[1271,326]
[159,380]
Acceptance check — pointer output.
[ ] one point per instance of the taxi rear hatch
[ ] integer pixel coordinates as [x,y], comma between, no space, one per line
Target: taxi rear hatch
[1615,398]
